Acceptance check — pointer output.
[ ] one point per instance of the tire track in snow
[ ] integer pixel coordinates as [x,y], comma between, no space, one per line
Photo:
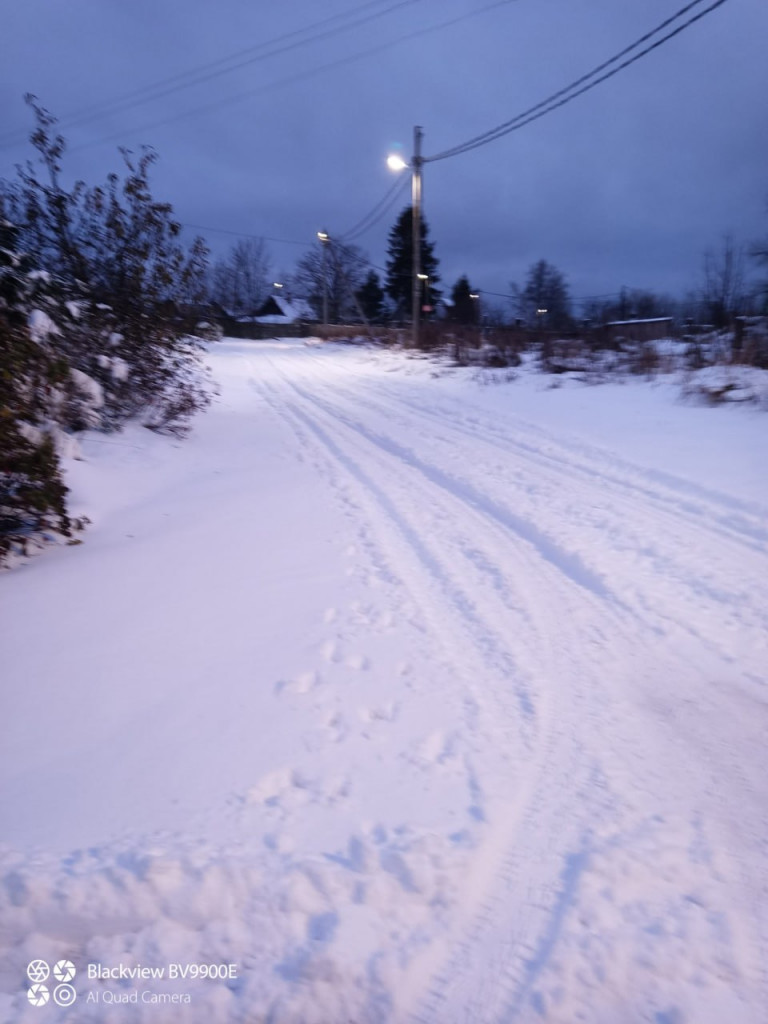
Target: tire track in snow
[552,770]
[564,561]
[578,462]
[579,458]
[668,549]
[536,898]
[452,595]
[545,823]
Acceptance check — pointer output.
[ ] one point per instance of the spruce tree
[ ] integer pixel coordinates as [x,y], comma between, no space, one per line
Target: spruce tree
[371,298]
[464,306]
[399,285]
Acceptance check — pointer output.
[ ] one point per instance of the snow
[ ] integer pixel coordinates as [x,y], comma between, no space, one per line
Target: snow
[416,693]
[88,388]
[35,435]
[118,368]
[41,327]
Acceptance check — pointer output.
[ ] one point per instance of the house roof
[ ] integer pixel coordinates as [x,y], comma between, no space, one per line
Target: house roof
[279,310]
[649,320]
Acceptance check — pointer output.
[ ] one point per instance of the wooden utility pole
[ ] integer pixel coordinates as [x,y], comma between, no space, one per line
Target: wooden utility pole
[416,207]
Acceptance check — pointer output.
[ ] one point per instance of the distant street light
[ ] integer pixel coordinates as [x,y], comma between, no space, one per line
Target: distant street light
[475,296]
[324,240]
[423,282]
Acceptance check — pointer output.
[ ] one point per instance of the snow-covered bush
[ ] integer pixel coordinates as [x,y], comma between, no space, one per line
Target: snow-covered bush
[94,284]
[123,279]
[32,492]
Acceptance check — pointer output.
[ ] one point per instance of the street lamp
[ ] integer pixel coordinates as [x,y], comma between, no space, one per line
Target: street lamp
[475,297]
[396,163]
[422,281]
[324,240]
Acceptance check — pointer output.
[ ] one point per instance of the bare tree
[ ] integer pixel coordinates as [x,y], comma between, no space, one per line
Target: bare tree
[759,253]
[241,282]
[336,274]
[723,291]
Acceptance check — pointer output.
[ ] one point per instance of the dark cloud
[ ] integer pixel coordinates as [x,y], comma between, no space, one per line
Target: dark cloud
[625,186]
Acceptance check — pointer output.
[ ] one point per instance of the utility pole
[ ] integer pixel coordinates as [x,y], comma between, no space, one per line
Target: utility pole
[416,206]
[324,240]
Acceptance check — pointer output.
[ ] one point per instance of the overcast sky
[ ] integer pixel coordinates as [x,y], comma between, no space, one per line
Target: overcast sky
[626,185]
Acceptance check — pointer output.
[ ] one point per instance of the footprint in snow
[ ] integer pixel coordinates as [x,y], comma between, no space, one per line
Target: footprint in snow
[301,684]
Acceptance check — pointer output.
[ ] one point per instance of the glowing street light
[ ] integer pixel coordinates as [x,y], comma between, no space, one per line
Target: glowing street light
[396,163]
[475,297]
[324,238]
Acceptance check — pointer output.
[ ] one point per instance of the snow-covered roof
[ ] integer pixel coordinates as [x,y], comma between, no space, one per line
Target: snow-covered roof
[295,309]
[279,310]
[648,320]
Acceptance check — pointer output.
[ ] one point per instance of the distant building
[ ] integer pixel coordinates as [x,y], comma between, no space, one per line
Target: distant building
[277,310]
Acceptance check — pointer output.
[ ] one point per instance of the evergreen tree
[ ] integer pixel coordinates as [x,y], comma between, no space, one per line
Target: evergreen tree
[545,289]
[371,298]
[399,285]
[464,306]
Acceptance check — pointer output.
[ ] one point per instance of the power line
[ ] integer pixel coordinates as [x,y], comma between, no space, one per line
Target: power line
[299,76]
[574,298]
[358,257]
[350,250]
[243,234]
[570,92]
[214,69]
[379,210]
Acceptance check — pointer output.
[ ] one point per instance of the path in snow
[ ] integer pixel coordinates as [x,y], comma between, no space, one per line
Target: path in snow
[499,750]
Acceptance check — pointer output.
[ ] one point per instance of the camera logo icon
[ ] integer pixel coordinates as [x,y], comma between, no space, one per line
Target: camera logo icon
[64,971]
[37,971]
[38,995]
[64,995]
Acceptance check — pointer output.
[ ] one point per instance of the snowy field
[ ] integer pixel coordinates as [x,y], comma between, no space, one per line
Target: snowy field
[415,699]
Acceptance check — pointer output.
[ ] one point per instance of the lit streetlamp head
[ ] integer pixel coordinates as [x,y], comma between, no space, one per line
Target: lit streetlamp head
[323,236]
[395,162]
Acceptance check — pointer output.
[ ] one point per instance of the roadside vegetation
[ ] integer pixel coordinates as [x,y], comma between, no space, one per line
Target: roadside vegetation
[97,307]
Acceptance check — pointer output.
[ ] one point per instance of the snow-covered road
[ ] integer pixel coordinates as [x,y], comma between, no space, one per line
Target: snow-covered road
[417,700]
